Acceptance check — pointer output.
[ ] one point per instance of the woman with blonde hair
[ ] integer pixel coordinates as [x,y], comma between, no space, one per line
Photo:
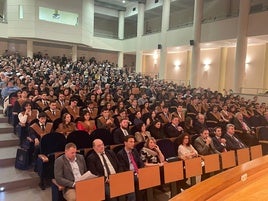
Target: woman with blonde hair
[150,154]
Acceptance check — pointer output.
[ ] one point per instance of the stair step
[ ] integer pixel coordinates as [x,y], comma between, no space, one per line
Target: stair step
[7,156]
[27,193]
[6,128]
[3,119]
[9,139]
[12,178]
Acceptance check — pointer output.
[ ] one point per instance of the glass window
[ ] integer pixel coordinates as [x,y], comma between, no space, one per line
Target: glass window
[58,16]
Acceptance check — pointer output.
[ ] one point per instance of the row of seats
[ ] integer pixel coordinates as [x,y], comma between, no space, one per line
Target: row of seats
[150,177]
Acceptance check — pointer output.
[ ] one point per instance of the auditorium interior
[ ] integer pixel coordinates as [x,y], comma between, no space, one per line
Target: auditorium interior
[188,76]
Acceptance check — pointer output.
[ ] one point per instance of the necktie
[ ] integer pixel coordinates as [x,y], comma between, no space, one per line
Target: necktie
[43,127]
[125,132]
[105,165]
[53,112]
[132,160]
[241,145]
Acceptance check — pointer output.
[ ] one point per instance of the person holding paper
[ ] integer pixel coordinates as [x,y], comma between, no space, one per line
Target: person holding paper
[102,162]
[68,169]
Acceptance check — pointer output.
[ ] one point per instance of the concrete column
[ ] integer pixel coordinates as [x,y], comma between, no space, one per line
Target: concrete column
[87,21]
[120,59]
[198,13]
[223,66]
[30,48]
[163,50]
[265,71]
[74,53]
[140,26]
[121,25]
[241,45]
[188,66]
[140,29]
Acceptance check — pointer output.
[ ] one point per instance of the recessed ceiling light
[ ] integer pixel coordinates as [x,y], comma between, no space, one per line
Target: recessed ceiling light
[123,1]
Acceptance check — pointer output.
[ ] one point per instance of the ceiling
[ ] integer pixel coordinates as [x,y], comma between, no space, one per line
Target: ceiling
[116,4]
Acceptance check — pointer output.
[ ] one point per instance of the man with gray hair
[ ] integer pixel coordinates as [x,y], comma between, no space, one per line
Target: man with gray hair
[232,142]
[68,169]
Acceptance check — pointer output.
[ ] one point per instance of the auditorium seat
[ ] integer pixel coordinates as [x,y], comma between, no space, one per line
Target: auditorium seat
[242,156]
[149,177]
[80,138]
[49,144]
[228,159]
[103,134]
[255,152]
[119,188]
[167,147]
[173,172]
[212,163]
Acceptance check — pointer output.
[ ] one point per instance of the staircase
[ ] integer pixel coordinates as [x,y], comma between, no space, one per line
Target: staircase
[10,177]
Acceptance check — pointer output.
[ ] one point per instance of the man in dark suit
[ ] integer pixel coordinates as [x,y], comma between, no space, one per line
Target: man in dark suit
[68,168]
[173,129]
[244,132]
[129,159]
[232,142]
[120,133]
[218,141]
[102,162]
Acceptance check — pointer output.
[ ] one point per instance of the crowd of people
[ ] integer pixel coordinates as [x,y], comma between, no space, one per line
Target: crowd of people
[56,95]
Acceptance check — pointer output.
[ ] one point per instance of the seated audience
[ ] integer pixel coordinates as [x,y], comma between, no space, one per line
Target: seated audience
[173,129]
[66,126]
[25,118]
[185,149]
[150,154]
[142,134]
[232,142]
[103,162]
[120,133]
[204,144]
[105,121]
[157,130]
[86,123]
[67,170]
[129,159]
[218,141]
[244,132]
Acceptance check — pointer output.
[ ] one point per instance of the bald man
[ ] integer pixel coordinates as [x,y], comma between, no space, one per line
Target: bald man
[102,162]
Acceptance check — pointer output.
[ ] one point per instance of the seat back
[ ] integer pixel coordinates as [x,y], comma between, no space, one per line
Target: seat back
[228,159]
[149,177]
[263,133]
[80,138]
[173,171]
[242,156]
[255,152]
[117,187]
[103,134]
[96,192]
[212,163]
[167,148]
[52,142]
[193,167]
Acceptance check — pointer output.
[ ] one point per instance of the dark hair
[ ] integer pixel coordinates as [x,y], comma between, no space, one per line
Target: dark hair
[203,129]
[180,139]
[128,137]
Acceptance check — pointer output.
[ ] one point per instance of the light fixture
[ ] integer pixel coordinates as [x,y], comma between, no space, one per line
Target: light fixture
[155,57]
[2,189]
[56,15]
[207,63]
[177,65]
[123,1]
